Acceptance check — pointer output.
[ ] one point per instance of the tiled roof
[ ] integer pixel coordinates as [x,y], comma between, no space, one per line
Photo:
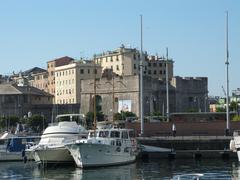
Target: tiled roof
[9,89]
[63,61]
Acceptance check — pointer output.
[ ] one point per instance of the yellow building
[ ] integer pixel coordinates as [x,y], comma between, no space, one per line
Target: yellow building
[51,71]
[68,80]
[126,61]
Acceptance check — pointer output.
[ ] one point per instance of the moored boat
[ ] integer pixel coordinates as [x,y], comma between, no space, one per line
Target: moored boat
[12,146]
[104,147]
[51,147]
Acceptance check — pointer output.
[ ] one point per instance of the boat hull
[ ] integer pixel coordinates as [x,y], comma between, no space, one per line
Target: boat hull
[53,155]
[95,155]
[11,156]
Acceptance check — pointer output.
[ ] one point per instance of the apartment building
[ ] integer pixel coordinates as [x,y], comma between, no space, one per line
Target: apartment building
[40,80]
[126,61]
[68,80]
[51,65]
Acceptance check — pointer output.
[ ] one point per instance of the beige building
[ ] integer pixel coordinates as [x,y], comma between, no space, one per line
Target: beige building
[185,95]
[68,80]
[51,71]
[126,61]
[40,80]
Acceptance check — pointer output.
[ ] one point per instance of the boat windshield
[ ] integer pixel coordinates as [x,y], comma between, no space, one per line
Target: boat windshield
[115,134]
[79,118]
[103,133]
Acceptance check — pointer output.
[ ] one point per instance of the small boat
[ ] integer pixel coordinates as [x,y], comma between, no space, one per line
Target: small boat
[13,146]
[51,148]
[104,147]
[195,176]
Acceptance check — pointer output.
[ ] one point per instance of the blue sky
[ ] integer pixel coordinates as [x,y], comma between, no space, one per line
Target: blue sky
[34,32]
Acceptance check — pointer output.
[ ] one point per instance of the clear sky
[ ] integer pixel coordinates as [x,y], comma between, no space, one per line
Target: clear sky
[34,32]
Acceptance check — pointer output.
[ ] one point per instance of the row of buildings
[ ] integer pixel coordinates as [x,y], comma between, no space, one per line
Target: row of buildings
[70,82]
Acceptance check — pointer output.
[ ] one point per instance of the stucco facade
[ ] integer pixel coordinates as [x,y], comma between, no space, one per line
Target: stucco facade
[126,61]
[126,90]
[68,80]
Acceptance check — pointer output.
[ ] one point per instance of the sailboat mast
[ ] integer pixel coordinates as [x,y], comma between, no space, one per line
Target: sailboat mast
[167,89]
[94,100]
[227,83]
[141,82]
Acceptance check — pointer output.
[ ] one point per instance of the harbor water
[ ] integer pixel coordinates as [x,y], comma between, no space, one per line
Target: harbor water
[151,169]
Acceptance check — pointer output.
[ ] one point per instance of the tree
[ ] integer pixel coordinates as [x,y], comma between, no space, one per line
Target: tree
[233,106]
[123,115]
[236,118]
[90,118]
[220,109]
[37,123]
[156,113]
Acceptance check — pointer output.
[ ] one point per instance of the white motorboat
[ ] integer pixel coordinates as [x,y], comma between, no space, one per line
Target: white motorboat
[12,146]
[104,147]
[235,143]
[51,147]
[196,176]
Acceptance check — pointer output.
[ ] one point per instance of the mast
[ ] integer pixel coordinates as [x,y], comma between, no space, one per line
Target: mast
[141,83]
[113,97]
[167,93]
[227,76]
[94,101]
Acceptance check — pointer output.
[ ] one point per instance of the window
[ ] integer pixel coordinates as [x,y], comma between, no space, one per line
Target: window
[160,72]
[164,72]
[124,135]
[81,71]
[154,72]
[149,64]
[134,66]
[115,134]
[88,71]
[117,67]
[154,64]
[117,58]
[134,56]
[103,134]
[149,72]
[111,59]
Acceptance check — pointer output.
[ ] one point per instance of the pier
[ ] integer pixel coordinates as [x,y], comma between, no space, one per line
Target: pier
[190,146]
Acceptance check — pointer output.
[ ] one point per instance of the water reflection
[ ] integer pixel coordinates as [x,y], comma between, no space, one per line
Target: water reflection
[116,172]
[152,169]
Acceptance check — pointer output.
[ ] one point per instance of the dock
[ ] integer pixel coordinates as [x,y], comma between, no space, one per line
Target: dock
[189,146]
